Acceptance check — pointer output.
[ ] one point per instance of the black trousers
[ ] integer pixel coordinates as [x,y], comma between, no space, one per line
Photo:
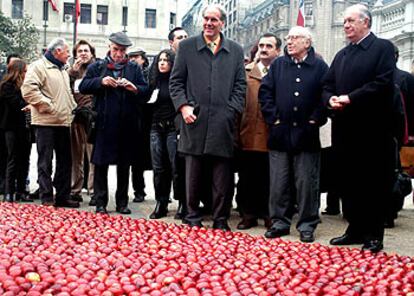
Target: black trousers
[3,162]
[138,183]
[56,139]
[221,173]
[328,180]
[18,153]
[100,184]
[253,184]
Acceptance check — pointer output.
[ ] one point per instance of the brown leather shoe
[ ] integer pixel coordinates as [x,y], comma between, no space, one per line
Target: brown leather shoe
[267,223]
[247,223]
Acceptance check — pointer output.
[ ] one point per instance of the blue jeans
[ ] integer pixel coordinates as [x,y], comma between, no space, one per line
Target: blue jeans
[163,137]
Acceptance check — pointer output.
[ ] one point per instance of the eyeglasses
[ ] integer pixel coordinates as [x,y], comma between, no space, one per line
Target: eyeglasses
[293,37]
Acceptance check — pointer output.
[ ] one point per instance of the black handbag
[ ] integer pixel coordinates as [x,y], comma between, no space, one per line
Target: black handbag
[402,182]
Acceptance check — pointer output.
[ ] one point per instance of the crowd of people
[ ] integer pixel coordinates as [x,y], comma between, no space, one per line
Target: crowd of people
[203,111]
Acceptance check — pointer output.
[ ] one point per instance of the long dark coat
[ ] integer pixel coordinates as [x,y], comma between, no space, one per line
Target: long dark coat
[290,96]
[362,131]
[214,83]
[118,139]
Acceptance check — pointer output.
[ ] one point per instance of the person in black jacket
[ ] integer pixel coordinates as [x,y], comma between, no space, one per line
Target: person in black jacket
[120,90]
[290,98]
[16,131]
[359,89]
[163,136]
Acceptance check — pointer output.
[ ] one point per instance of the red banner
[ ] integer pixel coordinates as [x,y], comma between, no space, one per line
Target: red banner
[54,5]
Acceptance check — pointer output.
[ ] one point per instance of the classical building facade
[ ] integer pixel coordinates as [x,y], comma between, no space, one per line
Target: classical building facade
[392,19]
[147,22]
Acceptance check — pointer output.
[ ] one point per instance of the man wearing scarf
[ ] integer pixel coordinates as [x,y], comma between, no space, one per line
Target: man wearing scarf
[119,89]
[46,88]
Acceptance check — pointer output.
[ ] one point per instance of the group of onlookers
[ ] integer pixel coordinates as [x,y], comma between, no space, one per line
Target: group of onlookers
[201,112]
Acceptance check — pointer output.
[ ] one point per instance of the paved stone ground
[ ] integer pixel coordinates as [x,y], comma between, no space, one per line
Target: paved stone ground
[398,240]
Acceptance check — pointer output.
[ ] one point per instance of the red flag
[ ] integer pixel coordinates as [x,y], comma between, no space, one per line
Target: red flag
[54,5]
[77,10]
[301,14]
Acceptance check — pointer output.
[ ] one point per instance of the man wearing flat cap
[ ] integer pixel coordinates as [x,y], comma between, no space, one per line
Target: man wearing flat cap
[119,89]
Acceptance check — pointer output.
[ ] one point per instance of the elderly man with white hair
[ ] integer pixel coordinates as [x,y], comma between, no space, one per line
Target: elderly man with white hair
[46,88]
[290,98]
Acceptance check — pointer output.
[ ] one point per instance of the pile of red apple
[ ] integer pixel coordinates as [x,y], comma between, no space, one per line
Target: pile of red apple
[48,251]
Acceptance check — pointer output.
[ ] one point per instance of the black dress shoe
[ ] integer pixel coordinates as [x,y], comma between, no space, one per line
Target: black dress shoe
[101,210]
[373,245]
[181,212]
[389,223]
[67,203]
[139,197]
[161,210]
[247,223]
[92,202]
[273,232]
[222,225]
[329,212]
[76,197]
[47,202]
[345,239]
[123,210]
[34,194]
[193,223]
[307,236]
[23,197]
[8,197]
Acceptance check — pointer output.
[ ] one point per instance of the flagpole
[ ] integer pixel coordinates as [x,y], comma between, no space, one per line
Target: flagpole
[75,23]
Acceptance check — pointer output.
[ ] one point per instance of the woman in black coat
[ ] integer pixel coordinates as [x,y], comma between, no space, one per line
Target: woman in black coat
[163,135]
[16,131]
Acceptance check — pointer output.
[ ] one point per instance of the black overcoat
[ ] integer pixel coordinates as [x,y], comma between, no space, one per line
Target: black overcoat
[216,85]
[290,96]
[118,139]
[362,132]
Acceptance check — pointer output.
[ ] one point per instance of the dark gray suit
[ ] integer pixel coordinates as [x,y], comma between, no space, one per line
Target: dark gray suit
[215,85]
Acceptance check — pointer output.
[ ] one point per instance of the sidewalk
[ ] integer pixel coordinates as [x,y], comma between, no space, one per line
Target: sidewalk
[399,240]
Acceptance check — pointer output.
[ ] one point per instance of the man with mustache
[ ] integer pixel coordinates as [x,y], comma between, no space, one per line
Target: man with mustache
[253,157]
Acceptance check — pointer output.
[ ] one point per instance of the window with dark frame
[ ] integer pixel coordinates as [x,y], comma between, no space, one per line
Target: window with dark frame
[86,14]
[17,9]
[102,15]
[68,9]
[150,18]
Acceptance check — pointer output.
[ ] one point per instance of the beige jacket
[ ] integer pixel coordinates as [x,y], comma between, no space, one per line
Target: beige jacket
[46,88]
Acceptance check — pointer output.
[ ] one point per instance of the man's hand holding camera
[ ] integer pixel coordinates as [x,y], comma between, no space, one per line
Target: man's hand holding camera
[120,82]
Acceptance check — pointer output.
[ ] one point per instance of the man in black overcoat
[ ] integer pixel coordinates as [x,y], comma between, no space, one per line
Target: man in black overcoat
[119,88]
[207,87]
[358,90]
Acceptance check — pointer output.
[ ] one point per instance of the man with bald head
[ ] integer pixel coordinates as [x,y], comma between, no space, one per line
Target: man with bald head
[290,98]
[358,89]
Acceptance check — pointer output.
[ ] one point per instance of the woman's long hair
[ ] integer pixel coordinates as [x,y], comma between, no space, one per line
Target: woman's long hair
[15,73]
[155,72]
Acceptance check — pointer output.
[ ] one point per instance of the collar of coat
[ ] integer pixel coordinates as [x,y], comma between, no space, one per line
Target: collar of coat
[366,42]
[310,59]
[253,71]
[50,65]
[201,43]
